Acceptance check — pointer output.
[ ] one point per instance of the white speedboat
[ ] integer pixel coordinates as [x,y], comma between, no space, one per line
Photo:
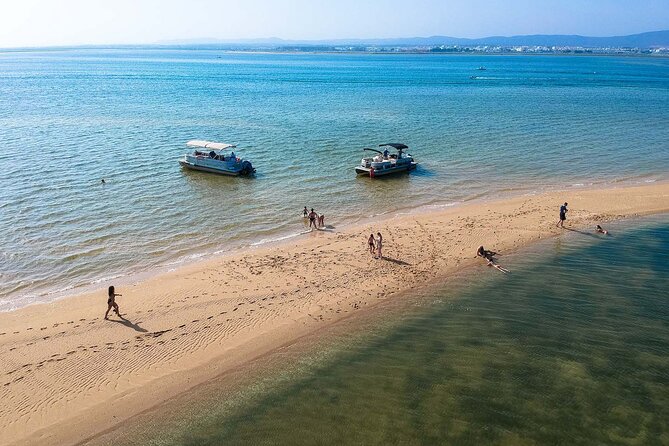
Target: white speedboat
[218,158]
[386,163]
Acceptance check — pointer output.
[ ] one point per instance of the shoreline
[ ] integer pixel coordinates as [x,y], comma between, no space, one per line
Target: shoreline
[184,326]
[136,276]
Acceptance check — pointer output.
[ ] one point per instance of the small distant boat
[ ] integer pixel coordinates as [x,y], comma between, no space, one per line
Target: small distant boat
[386,163]
[219,158]
[481,68]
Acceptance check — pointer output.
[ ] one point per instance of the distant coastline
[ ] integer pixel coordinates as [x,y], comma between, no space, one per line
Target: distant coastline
[648,43]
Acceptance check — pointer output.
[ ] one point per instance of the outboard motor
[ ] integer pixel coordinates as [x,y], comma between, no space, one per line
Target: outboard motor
[247,168]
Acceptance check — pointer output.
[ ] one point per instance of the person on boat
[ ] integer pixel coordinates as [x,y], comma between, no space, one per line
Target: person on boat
[385,154]
[379,246]
[312,219]
[601,230]
[111,302]
[233,156]
[371,243]
[563,215]
[305,212]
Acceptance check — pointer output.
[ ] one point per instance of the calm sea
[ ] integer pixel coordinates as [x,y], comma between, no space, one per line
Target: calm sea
[571,348]
[70,118]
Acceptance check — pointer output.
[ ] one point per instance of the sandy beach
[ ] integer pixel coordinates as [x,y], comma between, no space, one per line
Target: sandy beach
[67,374]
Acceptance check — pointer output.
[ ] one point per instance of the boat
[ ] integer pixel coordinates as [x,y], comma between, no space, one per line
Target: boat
[218,158]
[386,163]
[481,68]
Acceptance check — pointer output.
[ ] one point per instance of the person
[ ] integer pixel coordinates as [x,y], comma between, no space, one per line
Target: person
[305,212]
[563,215]
[103,181]
[482,252]
[111,302]
[601,230]
[379,245]
[321,221]
[385,154]
[371,244]
[312,219]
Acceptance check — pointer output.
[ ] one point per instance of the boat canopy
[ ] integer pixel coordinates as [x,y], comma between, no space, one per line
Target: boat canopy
[209,144]
[395,145]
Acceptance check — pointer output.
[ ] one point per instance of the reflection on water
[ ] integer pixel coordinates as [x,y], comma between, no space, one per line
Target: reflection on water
[571,348]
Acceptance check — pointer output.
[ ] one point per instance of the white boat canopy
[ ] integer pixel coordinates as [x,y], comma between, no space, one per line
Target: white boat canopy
[209,144]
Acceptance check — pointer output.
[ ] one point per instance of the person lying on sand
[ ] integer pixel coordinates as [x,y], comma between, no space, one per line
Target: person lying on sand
[111,302]
[482,252]
[489,257]
[601,230]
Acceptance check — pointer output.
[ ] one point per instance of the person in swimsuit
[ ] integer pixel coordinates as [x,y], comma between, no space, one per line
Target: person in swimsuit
[111,302]
[371,244]
[312,219]
[563,215]
[379,245]
[321,221]
[482,252]
[601,230]
[305,212]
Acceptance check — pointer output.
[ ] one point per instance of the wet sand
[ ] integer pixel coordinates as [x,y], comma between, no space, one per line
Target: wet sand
[66,374]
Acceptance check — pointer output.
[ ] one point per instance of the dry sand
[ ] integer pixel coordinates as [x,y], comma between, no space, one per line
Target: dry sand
[67,374]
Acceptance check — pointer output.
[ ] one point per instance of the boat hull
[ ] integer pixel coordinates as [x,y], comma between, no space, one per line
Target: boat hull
[188,165]
[383,172]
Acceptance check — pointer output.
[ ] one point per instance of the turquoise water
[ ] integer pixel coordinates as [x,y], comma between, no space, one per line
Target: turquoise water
[570,348]
[70,118]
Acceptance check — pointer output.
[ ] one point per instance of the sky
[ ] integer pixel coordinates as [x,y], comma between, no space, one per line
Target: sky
[77,22]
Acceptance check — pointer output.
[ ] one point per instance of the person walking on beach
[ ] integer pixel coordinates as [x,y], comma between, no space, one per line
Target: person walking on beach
[321,221]
[379,245]
[111,302]
[563,215]
[371,244]
[312,219]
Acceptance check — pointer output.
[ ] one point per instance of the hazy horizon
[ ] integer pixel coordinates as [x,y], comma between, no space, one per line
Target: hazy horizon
[34,23]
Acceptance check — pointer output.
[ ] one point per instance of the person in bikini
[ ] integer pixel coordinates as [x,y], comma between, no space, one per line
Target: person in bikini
[312,219]
[489,256]
[111,302]
[371,244]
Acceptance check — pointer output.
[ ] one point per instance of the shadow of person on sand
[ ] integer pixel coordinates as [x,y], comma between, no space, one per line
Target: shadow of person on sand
[395,261]
[128,323]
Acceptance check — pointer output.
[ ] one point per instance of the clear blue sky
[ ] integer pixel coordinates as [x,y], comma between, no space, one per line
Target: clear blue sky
[67,22]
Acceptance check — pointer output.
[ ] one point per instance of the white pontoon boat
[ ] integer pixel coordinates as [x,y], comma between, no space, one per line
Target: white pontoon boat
[219,158]
[386,163]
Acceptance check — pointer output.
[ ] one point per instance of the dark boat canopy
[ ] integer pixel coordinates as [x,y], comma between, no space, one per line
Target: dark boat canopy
[395,145]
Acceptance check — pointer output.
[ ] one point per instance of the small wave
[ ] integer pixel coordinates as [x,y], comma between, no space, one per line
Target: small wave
[278,239]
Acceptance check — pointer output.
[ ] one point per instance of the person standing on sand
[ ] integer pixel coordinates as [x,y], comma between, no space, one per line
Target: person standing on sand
[321,221]
[111,302]
[371,244]
[305,212]
[563,215]
[379,245]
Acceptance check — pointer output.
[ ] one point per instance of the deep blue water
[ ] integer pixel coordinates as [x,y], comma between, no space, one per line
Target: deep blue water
[70,118]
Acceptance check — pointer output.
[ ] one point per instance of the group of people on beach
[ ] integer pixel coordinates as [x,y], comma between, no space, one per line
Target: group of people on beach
[315,220]
[375,245]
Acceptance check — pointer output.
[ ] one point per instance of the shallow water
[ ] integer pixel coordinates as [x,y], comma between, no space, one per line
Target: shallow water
[70,118]
[572,347]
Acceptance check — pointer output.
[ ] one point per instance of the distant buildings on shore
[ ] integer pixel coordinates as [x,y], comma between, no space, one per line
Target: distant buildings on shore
[478,49]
